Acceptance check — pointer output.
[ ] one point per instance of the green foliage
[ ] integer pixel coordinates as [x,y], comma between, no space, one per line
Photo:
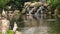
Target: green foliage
[57,1]
[3,2]
[33,0]
[16,4]
[54,3]
[49,1]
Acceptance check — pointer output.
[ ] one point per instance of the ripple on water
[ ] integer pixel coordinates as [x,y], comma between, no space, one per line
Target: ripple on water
[36,30]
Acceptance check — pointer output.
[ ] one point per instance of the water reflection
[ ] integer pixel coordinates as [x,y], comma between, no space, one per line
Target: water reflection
[35,24]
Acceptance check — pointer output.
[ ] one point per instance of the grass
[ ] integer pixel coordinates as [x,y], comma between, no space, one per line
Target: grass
[8,32]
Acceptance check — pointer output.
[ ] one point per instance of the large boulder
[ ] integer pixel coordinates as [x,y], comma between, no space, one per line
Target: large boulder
[34,4]
[27,4]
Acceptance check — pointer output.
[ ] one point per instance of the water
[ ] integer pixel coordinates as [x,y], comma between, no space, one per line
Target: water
[40,23]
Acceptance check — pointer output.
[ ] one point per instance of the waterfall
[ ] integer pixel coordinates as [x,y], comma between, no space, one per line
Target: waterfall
[40,12]
[32,10]
[30,17]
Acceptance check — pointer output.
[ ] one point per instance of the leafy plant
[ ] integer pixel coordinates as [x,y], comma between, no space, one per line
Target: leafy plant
[3,2]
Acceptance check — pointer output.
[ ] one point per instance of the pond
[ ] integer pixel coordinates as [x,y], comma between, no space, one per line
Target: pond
[35,24]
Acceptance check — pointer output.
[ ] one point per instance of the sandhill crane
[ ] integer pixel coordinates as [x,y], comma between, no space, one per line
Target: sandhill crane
[4,23]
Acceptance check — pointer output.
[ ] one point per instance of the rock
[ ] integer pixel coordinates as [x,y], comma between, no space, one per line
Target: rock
[17,32]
